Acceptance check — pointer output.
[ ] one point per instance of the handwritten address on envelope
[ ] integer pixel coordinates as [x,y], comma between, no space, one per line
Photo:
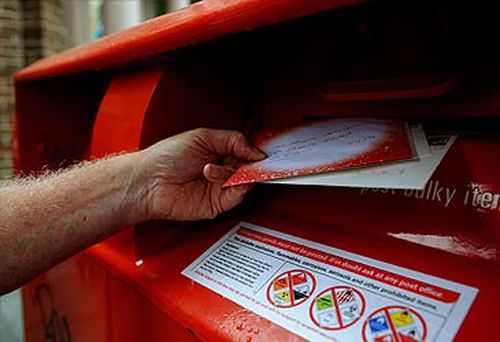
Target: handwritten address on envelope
[326,146]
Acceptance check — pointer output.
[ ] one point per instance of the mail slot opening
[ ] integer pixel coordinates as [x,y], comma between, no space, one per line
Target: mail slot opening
[338,64]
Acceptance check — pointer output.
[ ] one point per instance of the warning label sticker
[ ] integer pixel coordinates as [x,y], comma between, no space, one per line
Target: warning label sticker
[326,294]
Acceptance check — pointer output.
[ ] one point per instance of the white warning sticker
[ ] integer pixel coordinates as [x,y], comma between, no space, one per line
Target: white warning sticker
[323,293]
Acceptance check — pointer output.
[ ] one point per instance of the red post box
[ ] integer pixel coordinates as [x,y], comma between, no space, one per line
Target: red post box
[249,64]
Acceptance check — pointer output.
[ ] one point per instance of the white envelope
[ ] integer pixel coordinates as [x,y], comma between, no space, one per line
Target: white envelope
[412,174]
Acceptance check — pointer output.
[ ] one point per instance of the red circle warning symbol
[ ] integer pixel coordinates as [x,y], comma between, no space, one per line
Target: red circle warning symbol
[337,307]
[394,324]
[291,288]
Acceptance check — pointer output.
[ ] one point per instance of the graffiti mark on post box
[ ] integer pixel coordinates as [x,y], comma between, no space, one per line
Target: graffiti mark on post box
[55,325]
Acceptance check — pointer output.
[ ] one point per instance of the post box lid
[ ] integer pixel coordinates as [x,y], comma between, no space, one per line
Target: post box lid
[199,22]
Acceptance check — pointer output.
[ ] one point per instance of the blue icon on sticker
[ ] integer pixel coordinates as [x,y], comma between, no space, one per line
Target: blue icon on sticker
[378,324]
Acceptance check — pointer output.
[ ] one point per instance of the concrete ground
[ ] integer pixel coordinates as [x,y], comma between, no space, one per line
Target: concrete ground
[11,323]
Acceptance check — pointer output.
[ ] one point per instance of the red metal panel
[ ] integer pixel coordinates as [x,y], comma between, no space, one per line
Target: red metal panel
[54,120]
[69,303]
[135,319]
[120,117]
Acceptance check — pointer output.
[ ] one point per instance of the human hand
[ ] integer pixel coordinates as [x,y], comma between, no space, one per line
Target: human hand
[183,175]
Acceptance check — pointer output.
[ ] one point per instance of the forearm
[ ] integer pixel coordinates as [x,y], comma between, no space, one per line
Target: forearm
[45,221]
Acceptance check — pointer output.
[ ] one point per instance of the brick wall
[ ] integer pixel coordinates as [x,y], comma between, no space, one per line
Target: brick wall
[29,30]
[11,60]
[44,32]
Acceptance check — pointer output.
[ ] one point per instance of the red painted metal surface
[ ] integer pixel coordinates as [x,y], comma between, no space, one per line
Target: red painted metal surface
[124,93]
[126,101]
[76,289]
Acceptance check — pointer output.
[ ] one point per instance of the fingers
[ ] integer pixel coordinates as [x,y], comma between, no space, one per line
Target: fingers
[216,173]
[232,196]
[232,143]
[229,197]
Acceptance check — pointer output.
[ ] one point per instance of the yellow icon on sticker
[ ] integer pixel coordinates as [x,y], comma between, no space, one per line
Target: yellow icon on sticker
[401,318]
[283,296]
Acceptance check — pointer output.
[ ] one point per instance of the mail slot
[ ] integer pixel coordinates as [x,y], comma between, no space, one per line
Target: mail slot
[251,65]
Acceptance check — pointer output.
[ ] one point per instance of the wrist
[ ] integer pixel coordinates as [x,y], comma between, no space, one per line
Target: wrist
[136,188]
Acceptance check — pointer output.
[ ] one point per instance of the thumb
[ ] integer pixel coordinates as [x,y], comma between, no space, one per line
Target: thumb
[233,143]
[232,196]
[216,173]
